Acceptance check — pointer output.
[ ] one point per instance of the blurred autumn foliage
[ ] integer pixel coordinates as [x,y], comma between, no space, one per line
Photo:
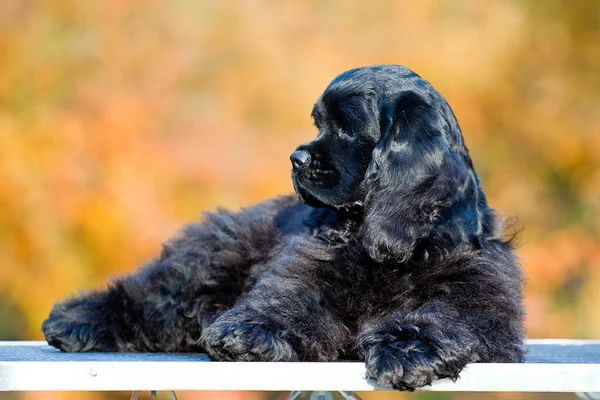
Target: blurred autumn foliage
[122,120]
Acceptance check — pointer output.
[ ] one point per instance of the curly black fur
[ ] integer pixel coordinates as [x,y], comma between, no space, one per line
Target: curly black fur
[392,257]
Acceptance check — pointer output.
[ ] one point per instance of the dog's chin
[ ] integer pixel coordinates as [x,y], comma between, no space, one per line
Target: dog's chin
[306,197]
[315,201]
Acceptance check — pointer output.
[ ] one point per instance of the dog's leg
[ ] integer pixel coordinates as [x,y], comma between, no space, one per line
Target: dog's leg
[409,350]
[284,318]
[164,306]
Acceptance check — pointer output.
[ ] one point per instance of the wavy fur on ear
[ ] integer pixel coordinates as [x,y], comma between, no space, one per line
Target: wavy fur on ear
[421,179]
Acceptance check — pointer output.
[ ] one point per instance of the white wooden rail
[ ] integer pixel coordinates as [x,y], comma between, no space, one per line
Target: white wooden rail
[551,365]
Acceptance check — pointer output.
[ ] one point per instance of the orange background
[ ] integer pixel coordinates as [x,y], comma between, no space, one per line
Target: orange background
[122,120]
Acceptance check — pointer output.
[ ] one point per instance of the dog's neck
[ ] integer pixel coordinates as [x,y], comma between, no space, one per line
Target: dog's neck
[334,227]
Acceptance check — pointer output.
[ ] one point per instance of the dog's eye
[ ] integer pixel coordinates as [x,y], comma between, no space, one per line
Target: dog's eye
[344,133]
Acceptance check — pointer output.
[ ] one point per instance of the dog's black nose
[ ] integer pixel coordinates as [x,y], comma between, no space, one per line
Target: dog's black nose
[300,159]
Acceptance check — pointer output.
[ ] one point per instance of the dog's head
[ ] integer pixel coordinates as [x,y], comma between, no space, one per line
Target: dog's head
[390,147]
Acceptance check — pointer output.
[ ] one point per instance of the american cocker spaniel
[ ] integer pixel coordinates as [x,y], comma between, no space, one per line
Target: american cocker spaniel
[390,255]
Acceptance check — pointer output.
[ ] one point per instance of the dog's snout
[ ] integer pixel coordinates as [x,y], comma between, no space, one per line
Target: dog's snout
[300,159]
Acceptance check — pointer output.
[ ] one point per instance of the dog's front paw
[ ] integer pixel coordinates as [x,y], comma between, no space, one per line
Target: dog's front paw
[400,368]
[74,326]
[235,336]
[407,361]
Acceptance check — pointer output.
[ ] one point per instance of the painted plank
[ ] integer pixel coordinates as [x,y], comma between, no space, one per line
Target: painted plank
[551,366]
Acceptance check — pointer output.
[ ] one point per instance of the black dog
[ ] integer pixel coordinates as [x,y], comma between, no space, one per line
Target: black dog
[392,257]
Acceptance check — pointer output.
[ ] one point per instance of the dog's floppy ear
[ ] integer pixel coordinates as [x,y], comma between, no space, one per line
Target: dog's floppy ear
[420,183]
